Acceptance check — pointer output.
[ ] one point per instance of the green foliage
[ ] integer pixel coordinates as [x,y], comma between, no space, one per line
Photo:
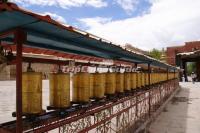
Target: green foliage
[155,53]
[191,67]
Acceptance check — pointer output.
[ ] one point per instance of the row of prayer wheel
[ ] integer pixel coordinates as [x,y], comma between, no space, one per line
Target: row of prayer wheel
[85,86]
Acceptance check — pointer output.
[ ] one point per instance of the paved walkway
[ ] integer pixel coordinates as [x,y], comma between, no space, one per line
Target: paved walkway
[182,114]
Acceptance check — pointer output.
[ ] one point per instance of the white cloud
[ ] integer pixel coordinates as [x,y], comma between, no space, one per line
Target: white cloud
[56,17]
[63,3]
[168,22]
[95,22]
[128,5]
[35,2]
[96,3]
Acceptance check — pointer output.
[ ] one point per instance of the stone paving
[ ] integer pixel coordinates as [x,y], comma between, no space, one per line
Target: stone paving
[182,114]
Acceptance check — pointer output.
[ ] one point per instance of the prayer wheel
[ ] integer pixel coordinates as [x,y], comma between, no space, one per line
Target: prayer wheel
[143,79]
[133,80]
[59,90]
[75,88]
[119,82]
[127,81]
[32,93]
[146,78]
[91,85]
[110,83]
[83,87]
[139,80]
[99,85]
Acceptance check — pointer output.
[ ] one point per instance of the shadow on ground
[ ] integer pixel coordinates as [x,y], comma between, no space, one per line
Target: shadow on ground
[174,117]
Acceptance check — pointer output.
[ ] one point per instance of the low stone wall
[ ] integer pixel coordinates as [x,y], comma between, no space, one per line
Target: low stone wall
[4,72]
[9,72]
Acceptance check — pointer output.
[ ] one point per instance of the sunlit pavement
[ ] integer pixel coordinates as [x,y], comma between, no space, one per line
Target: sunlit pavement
[182,114]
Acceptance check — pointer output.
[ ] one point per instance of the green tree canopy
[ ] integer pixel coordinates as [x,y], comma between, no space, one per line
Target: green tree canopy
[155,53]
[191,67]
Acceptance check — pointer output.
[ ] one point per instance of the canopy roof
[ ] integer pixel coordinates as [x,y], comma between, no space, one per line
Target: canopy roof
[44,32]
[190,56]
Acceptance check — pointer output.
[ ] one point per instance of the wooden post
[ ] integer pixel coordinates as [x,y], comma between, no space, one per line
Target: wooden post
[19,39]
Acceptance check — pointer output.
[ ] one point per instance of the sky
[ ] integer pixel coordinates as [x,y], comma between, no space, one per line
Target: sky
[145,24]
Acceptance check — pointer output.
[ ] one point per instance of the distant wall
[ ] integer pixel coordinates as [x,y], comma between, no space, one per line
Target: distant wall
[4,72]
[9,72]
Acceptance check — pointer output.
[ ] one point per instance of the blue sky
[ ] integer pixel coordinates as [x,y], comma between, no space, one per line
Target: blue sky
[72,14]
[145,24]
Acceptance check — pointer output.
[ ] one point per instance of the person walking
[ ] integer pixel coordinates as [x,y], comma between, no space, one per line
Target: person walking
[193,76]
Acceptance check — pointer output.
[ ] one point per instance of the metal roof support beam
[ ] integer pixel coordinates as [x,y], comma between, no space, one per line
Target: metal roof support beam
[19,39]
[136,65]
[7,33]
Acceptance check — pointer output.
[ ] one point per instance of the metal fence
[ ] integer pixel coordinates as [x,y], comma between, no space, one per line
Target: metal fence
[123,115]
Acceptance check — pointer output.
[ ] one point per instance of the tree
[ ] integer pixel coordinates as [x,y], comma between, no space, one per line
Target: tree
[191,67]
[155,53]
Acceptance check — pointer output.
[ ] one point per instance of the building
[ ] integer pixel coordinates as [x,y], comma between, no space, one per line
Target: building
[136,50]
[188,47]
[180,55]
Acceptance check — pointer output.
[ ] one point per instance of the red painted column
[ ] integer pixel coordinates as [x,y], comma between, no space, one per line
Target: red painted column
[19,39]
